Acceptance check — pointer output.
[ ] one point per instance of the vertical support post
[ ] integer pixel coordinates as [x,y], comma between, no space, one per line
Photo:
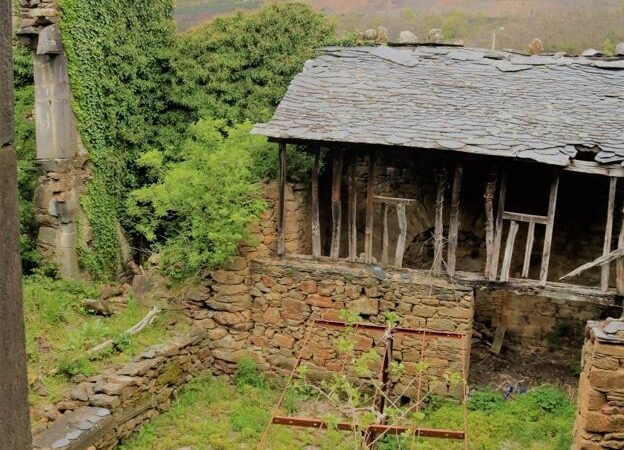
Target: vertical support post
[454,219]
[498,234]
[400,247]
[604,274]
[438,237]
[352,222]
[281,220]
[552,207]
[384,234]
[619,264]
[316,223]
[528,250]
[509,247]
[14,415]
[336,203]
[368,235]
[490,191]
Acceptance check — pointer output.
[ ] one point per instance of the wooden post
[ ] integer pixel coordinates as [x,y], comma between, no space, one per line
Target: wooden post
[454,219]
[353,208]
[490,191]
[498,234]
[438,237]
[316,223]
[400,247]
[619,264]
[281,224]
[14,415]
[604,274]
[384,234]
[552,207]
[509,247]
[368,235]
[528,250]
[336,203]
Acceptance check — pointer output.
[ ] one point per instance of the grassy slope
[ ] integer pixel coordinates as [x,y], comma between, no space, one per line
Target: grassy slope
[570,25]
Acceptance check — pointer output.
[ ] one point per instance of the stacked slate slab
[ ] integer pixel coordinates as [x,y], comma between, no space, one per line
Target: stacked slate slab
[543,108]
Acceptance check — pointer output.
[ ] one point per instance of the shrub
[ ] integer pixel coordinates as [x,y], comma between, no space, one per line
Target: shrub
[485,401]
[247,374]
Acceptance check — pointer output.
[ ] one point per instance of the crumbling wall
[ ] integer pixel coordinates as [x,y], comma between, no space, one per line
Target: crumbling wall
[600,415]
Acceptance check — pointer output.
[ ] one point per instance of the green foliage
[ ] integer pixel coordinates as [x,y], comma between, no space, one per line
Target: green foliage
[22,66]
[118,67]
[485,401]
[247,374]
[70,368]
[202,205]
[238,67]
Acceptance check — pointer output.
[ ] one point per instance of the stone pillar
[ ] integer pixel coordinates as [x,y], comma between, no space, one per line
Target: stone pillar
[14,416]
[600,416]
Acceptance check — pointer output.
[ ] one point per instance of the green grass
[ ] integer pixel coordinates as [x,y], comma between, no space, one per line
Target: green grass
[214,414]
[59,332]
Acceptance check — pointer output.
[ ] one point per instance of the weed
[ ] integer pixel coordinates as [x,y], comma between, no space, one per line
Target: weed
[247,374]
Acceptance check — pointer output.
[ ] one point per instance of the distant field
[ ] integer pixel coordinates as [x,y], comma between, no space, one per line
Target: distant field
[569,25]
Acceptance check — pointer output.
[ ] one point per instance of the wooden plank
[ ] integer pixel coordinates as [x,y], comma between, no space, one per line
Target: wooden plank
[528,250]
[384,232]
[606,248]
[509,247]
[552,207]
[454,219]
[592,167]
[490,191]
[619,264]
[393,200]
[400,247]
[498,233]
[336,203]
[352,221]
[499,337]
[528,218]
[438,237]
[316,223]
[281,221]
[368,234]
[611,256]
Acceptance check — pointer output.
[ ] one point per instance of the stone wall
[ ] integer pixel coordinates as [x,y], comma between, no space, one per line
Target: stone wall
[104,409]
[600,416]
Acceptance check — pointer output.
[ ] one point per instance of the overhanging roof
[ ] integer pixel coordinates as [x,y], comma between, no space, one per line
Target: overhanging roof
[541,108]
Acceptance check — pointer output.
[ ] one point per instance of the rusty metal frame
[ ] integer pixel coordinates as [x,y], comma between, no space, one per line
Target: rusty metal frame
[373,430]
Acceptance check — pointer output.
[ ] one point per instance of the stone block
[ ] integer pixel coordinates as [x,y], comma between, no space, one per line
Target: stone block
[600,423]
[319,301]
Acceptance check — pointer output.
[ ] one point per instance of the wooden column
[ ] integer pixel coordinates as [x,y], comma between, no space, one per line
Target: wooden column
[14,415]
[552,207]
[316,223]
[490,192]
[368,235]
[438,236]
[606,248]
[352,222]
[336,204]
[619,264]
[528,250]
[384,234]
[498,233]
[281,217]
[454,219]
[400,247]
[509,247]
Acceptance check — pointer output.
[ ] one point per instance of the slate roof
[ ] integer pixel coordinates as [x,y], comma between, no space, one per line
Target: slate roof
[542,108]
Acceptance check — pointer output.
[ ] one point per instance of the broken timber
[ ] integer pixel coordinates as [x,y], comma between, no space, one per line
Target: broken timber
[490,191]
[604,259]
[604,272]
[454,219]
[438,236]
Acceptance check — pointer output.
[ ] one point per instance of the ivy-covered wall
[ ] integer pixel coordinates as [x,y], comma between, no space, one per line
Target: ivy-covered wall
[118,66]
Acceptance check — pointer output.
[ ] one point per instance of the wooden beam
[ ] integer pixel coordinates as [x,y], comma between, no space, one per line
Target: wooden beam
[595,168]
[316,223]
[336,203]
[619,264]
[393,200]
[611,256]
[368,234]
[528,218]
[384,234]
[490,191]
[528,250]
[606,248]
[15,431]
[509,248]
[352,221]
[438,236]
[498,233]
[552,207]
[400,247]
[454,219]
[281,221]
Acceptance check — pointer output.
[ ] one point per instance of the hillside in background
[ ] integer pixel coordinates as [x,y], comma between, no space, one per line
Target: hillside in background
[568,25]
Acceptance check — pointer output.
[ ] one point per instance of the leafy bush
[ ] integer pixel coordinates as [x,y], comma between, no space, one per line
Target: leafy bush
[247,374]
[203,203]
[485,401]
